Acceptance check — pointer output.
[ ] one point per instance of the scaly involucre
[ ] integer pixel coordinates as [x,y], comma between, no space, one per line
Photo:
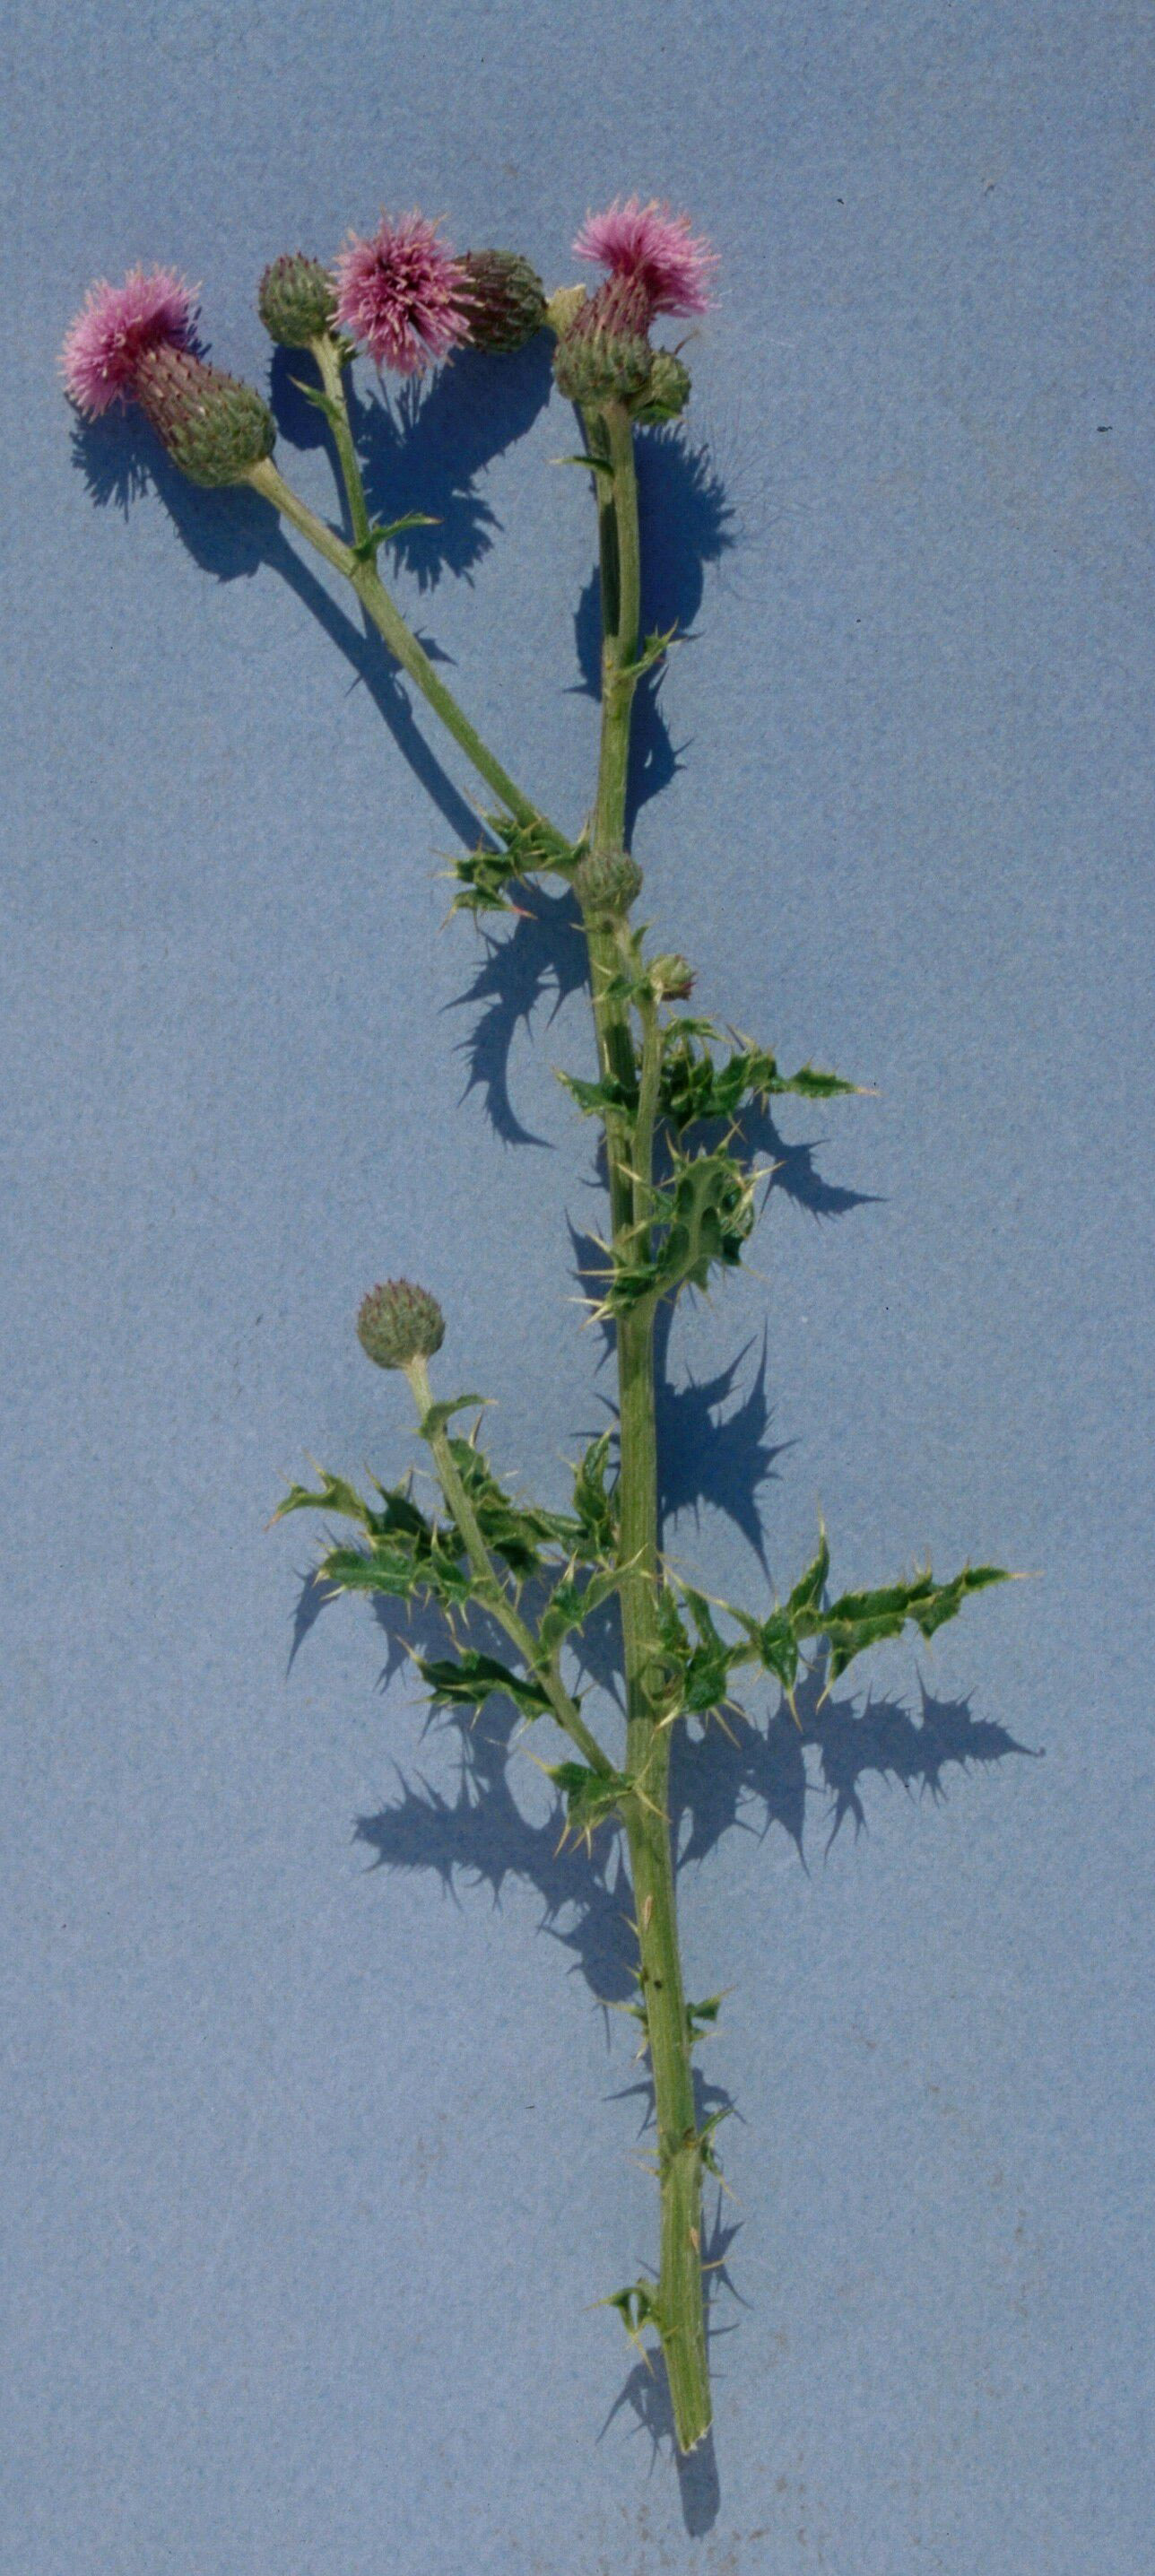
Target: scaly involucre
[654,248]
[115,327]
[402,295]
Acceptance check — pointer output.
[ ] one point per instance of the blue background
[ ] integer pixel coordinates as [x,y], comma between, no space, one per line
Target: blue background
[313,2167]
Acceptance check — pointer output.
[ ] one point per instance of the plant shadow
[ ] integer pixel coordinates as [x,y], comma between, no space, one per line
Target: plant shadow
[426,451]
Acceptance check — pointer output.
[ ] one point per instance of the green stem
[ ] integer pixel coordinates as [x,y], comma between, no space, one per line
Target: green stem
[680,2303]
[328,356]
[491,1590]
[399,637]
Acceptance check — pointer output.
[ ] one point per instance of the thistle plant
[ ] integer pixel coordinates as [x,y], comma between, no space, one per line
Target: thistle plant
[515,1581]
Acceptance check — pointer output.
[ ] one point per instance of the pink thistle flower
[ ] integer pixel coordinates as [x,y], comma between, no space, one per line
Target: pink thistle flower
[654,247]
[115,326]
[402,294]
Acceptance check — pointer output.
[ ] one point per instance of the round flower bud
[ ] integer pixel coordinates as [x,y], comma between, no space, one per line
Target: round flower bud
[398,1323]
[671,978]
[563,307]
[607,882]
[504,301]
[214,427]
[296,300]
[668,390]
[605,354]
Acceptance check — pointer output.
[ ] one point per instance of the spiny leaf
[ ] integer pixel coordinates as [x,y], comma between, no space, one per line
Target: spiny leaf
[694,1087]
[600,1099]
[335,1496]
[702,2019]
[571,1604]
[369,546]
[637,2307]
[596,464]
[809,1588]
[860,1619]
[653,649]
[473,1678]
[442,1412]
[595,1507]
[704,1219]
[517,1532]
[591,1797]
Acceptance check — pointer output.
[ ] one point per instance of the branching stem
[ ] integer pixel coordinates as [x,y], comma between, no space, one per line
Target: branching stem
[491,1591]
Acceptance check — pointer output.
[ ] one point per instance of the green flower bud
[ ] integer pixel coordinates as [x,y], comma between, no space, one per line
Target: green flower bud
[607,882]
[563,307]
[505,300]
[605,354]
[398,1323]
[214,427]
[296,301]
[668,390]
[670,978]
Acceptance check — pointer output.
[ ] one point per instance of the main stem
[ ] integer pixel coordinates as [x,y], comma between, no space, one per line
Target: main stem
[680,2312]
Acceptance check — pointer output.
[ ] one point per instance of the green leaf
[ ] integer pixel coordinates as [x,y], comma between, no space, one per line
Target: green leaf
[809,1588]
[591,1797]
[637,2307]
[369,546]
[601,1099]
[595,1507]
[473,1678]
[596,464]
[654,647]
[517,1532]
[694,1087]
[335,1496]
[321,402]
[571,1604]
[443,1412]
[702,2019]
[860,1619]
[705,1218]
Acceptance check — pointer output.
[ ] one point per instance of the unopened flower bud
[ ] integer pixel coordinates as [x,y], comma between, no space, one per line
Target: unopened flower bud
[296,300]
[505,300]
[668,390]
[214,427]
[607,882]
[563,307]
[671,978]
[605,355]
[398,1323]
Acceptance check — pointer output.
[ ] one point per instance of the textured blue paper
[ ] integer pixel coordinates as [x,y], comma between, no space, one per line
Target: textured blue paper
[314,2169]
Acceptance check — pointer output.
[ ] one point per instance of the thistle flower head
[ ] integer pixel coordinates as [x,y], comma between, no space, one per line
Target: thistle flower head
[402,295]
[397,1323]
[655,247]
[116,326]
[506,300]
[215,427]
[605,353]
[295,300]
